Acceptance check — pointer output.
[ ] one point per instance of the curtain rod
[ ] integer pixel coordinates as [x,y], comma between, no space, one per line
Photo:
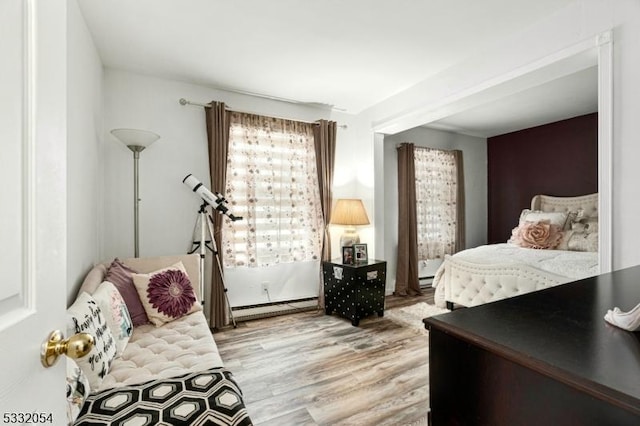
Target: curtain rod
[184,102]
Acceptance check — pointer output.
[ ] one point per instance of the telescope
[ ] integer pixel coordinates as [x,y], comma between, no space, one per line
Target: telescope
[215,200]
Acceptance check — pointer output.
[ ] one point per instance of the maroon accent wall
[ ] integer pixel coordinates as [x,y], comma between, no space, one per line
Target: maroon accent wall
[559,159]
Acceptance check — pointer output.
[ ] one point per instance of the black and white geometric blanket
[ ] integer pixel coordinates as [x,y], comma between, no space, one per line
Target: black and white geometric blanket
[209,397]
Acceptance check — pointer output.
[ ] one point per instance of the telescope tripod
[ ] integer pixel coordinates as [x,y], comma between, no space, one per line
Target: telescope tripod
[206,226]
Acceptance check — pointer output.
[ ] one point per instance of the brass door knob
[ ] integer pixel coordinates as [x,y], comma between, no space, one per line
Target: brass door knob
[75,346]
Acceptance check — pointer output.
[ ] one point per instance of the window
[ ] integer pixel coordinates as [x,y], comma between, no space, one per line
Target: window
[436,202]
[273,184]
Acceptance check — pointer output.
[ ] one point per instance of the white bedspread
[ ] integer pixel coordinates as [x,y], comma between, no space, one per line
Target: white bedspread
[572,264]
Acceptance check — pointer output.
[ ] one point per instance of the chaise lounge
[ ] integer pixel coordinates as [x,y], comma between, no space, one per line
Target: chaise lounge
[163,369]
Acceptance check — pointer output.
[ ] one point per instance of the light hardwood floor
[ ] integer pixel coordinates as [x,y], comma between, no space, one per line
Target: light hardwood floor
[315,369]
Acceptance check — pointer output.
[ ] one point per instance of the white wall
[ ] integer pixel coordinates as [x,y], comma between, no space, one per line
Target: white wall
[625,17]
[475,180]
[84,135]
[168,208]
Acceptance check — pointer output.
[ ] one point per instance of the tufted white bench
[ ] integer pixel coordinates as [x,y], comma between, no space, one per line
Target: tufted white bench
[179,347]
[166,374]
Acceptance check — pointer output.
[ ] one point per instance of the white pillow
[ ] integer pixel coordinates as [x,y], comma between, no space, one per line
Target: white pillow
[579,241]
[166,294]
[85,316]
[115,312]
[78,389]
[554,218]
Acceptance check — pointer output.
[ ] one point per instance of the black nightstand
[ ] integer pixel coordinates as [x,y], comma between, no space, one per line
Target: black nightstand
[354,291]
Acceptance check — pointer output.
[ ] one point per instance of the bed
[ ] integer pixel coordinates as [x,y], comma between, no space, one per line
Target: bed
[555,242]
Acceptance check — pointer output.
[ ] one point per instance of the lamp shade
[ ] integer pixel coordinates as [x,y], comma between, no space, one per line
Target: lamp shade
[350,212]
[136,140]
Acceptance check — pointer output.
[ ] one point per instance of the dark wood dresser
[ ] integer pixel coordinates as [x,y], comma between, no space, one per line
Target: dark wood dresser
[544,358]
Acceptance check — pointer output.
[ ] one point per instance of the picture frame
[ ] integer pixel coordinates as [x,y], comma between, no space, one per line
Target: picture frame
[347,255]
[360,253]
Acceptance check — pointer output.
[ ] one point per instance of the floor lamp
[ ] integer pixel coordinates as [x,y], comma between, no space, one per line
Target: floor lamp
[136,141]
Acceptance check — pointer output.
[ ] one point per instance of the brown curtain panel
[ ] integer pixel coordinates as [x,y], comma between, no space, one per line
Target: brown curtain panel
[218,119]
[460,219]
[407,283]
[325,143]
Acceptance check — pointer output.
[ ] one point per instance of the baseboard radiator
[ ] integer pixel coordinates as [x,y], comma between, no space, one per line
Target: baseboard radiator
[267,310]
[427,270]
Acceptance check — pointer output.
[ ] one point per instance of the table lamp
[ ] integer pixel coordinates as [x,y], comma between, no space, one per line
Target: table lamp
[349,212]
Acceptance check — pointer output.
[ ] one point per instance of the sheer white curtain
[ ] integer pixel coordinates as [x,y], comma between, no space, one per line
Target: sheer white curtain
[272,182]
[437,202]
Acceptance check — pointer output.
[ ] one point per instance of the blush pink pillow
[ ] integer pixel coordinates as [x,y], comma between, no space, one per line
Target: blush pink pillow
[537,235]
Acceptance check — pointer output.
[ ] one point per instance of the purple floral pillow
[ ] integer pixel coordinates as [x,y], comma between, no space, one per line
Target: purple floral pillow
[166,294]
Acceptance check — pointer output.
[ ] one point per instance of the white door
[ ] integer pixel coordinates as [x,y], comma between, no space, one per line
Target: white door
[32,206]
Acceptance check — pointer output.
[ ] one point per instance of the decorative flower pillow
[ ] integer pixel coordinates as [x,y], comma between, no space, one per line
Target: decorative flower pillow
[166,294]
[85,316]
[116,313]
[78,389]
[537,235]
[582,241]
[586,225]
[582,237]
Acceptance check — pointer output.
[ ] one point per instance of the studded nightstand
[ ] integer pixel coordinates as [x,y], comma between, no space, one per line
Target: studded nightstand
[354,291]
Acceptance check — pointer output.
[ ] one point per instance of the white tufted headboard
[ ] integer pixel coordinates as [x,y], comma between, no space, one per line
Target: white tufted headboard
[547,203]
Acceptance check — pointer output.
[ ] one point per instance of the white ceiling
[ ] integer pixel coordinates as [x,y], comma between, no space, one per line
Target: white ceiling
[565,97]
[348,55]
